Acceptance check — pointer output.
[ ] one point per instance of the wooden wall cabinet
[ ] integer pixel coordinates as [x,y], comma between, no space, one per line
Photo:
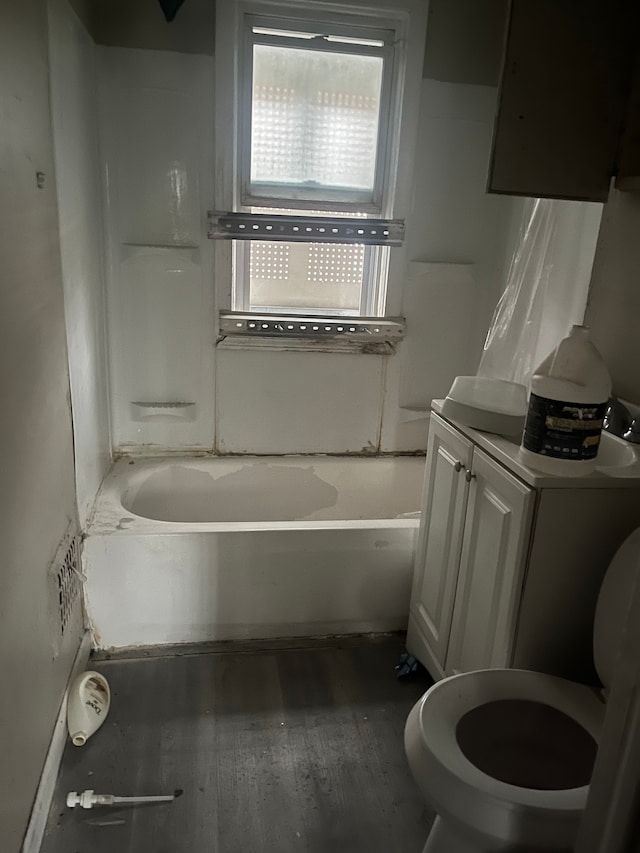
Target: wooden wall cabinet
[563,98]
[628,172]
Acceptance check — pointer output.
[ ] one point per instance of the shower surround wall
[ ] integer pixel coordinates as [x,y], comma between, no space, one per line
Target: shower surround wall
[171,388]
[157,140]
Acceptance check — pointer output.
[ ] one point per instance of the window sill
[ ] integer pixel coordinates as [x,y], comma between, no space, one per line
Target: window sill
[245,342]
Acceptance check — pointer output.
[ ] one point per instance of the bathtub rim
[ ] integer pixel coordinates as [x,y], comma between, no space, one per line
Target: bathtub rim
[109,516]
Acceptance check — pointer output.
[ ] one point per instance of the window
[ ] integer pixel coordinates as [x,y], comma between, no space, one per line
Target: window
[312,134]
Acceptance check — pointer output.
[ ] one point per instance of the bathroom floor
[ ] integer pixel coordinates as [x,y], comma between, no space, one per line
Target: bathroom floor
[276,749]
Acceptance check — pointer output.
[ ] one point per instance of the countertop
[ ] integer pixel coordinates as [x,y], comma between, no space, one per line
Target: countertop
[506,451]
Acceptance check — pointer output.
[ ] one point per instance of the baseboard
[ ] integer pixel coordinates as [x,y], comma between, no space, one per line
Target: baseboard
[240,647]
[42,803]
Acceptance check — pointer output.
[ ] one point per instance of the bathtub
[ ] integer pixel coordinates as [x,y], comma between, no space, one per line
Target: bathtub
[188,550]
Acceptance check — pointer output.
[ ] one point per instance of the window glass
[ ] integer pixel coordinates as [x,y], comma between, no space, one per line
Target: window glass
[315,118]
[300,276]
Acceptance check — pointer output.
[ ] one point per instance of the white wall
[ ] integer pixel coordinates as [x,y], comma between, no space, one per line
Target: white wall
[141,23]
[36,451]
[74,111]
[613,309]
[465,40]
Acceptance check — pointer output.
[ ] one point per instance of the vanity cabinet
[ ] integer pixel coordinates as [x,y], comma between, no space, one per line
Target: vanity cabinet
[507,573]
[470,556]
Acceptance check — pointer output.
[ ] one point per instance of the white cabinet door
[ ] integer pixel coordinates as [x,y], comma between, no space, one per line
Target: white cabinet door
[439,544]
[494,551]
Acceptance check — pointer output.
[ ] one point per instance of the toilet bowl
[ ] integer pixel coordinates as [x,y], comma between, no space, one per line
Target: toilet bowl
[504,756]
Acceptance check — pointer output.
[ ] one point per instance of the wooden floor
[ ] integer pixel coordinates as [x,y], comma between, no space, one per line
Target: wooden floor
[275,750]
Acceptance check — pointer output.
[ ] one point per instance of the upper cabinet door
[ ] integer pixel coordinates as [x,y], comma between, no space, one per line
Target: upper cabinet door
[439,545]
[562,98]
[494,552]
[628,177]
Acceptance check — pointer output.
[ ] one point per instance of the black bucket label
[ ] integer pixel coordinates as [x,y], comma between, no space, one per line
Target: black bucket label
[563,430]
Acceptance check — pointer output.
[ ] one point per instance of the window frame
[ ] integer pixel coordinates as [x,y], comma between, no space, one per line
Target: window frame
[407,19]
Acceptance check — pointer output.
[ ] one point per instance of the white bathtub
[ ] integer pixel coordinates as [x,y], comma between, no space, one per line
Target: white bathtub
[185,550]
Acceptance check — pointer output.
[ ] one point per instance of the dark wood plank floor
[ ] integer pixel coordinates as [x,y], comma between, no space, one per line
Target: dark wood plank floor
[276,750]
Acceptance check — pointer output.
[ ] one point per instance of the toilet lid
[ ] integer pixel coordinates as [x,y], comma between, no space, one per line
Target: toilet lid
[613,603]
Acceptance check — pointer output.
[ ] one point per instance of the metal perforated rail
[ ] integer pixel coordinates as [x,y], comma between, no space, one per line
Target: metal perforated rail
[299,326]
[305,229]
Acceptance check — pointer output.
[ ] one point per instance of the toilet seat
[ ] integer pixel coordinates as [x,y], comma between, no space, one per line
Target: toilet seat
[458,789]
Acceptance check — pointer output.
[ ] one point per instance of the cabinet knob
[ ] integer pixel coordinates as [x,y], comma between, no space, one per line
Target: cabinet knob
[458,467]
[468,475]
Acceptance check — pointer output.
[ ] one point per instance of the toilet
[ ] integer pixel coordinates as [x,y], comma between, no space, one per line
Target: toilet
[504,756]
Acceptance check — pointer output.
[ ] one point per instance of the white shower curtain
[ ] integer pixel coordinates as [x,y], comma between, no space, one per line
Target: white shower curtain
[547,286]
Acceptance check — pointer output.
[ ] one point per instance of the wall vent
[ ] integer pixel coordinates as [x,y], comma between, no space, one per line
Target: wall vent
[66,576]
